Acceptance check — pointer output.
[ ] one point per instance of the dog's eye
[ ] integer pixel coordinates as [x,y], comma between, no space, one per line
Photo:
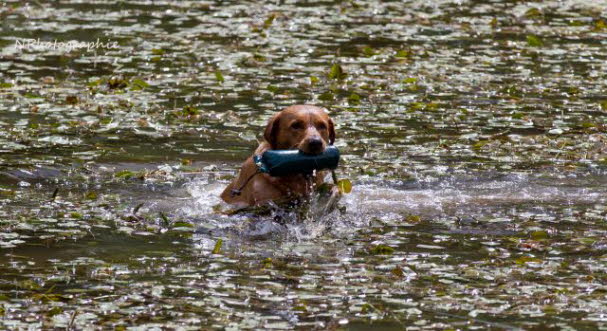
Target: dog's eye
[297,125]
[321,126]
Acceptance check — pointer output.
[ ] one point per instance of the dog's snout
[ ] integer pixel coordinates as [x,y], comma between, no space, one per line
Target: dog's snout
[315,143]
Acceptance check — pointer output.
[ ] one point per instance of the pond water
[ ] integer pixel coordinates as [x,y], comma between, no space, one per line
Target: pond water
[473,133]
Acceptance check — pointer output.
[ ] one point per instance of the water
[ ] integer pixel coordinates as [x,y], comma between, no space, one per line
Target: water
[474,135]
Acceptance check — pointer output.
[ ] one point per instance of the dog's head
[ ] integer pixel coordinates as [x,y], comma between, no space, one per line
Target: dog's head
[304,127]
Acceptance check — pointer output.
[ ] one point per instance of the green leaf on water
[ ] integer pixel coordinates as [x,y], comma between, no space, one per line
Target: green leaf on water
[354,99]
[259,57]
[126,174]
[534,41]
[604,105]
[267,262]
[327,96]
[599,25]
[403,54]
[314,80]
[398,272]
[337,72]
[479,145]
[344,186]
[158,51]
[31,95]
[189,110]
[273,88]
[117,82]
[576,23]
[217,247]
[368,51]
[518,116]
[7,193]
[413,219]
[219,76]
[54,311]
[539,235]
[183,225]
[92,195]
[526,259]
[533,13]
[165,220]
[5,85]
[381,250]
[268,22]
[94,83]
[138,84]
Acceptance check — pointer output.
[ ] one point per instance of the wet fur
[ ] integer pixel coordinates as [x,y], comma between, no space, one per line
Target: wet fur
[283,132]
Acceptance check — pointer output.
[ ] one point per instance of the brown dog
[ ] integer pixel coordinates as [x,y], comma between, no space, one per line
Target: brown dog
[304,127]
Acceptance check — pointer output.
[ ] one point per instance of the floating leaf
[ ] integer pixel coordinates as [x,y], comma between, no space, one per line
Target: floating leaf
[165,220]
[327,96]
[314,80]
[526,259]
[268,22]
[539,235]
[534,41]
[398,272]
[344,186]
[533,13]
[354,98]
[5,85]
[600,25]
[116,83]
[126,174]
[190,110]
[92,195]
[267,262]
[138,84]
[31,95]
[337,72]
[182,225]
[273,88]
[368,51]
[217,247]
[158,51]
[403,54]
[219,76]
[413,219]
[381,250]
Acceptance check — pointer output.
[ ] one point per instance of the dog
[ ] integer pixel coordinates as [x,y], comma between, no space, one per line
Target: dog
[307,128]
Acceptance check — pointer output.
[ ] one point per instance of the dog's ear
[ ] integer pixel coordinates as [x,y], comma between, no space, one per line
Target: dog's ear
[271,132]
[331,132]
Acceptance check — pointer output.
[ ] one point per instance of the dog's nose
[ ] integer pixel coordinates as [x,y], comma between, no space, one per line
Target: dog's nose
[315,144]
